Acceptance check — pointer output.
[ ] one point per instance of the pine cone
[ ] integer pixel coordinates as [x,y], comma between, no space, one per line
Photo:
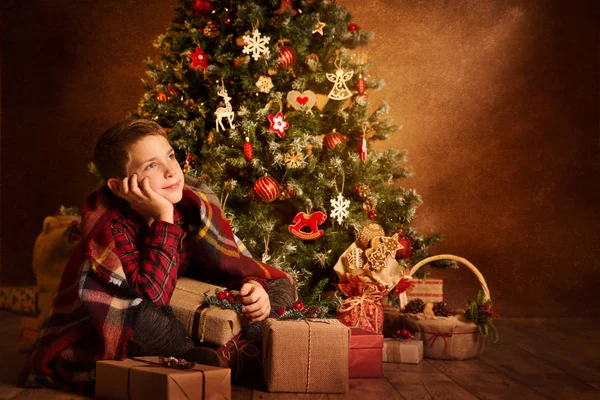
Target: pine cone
[414,306]
[313,311]
[441,309]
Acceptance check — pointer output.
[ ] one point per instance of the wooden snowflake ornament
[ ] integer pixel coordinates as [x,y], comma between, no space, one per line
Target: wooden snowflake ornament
[257,45]
[340,208]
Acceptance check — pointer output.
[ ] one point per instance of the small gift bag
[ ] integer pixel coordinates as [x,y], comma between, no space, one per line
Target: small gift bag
[367,271]
[362,308]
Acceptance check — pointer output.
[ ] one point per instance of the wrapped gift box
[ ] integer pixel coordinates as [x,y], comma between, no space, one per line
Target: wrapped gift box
[364,354]
[428,290]
[207,324]
[402,351]
[143,378]
[306,356]
[21,299]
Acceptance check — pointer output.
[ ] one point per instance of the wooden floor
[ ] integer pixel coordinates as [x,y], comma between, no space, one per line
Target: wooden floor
[535,359]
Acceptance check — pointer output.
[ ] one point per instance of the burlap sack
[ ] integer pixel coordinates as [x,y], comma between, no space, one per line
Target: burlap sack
[52,251]
[306,356]
[446,338]
[354,262]
[207,324]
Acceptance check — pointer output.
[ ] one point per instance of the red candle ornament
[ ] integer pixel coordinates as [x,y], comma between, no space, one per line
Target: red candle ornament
[248,150]
[360,85]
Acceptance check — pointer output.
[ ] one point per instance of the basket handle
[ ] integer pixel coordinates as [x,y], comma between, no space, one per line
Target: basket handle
[461,260]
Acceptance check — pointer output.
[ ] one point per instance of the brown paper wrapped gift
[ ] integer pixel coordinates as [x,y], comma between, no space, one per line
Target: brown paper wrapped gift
[143,378]
[208,324]
[306,356]
[447,338]
[402,351]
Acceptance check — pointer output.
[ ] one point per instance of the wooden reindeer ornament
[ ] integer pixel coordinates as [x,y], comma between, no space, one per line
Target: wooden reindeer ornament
[224,112]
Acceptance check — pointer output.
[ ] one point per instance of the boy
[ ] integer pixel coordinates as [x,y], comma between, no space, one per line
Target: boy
[146,227]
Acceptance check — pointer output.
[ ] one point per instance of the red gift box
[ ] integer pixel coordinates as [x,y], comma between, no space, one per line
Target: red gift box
[365,357]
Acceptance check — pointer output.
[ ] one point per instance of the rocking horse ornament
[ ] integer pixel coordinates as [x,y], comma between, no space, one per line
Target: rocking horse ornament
[224,112]
[308,221]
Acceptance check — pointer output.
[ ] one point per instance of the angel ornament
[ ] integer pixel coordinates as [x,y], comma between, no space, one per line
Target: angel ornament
[339,91]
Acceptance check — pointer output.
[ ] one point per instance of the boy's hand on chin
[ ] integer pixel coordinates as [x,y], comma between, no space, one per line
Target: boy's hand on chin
[144,200]
[255,299]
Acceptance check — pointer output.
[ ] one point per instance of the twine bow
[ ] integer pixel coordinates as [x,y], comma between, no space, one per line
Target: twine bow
[359,293]
[445,336]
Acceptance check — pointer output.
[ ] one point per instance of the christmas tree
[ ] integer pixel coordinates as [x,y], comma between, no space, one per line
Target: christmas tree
[267,102]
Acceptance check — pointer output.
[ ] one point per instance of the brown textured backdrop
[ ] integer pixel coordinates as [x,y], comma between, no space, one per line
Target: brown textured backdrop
[498,99]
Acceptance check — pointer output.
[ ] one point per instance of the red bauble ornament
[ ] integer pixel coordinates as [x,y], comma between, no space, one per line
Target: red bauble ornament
[360,85]
[311,222]
[280,310]
[266,189]
[352,27]
[298,305]
[287,57]
[332,139]
[202,7]
[248,150]
[221,295]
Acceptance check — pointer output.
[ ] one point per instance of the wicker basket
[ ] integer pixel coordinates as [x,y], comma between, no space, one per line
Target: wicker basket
[447,338]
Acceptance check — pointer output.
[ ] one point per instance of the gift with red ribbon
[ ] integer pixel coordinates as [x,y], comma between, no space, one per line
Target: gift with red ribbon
[362,308]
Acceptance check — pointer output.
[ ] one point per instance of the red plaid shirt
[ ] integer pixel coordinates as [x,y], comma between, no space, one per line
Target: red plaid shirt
[154,256]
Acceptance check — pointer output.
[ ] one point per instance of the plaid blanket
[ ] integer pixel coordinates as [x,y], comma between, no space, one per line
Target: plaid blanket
[94,312]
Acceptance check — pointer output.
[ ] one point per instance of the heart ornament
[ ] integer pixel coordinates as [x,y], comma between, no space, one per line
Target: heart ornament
[305,100]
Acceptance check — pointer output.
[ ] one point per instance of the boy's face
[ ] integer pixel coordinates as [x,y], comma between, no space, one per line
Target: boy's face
[153,157]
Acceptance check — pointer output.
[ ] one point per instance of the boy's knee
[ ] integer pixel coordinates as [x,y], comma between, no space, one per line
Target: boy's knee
[281,293]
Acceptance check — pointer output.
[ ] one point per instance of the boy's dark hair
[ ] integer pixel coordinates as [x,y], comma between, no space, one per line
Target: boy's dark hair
[111,152]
